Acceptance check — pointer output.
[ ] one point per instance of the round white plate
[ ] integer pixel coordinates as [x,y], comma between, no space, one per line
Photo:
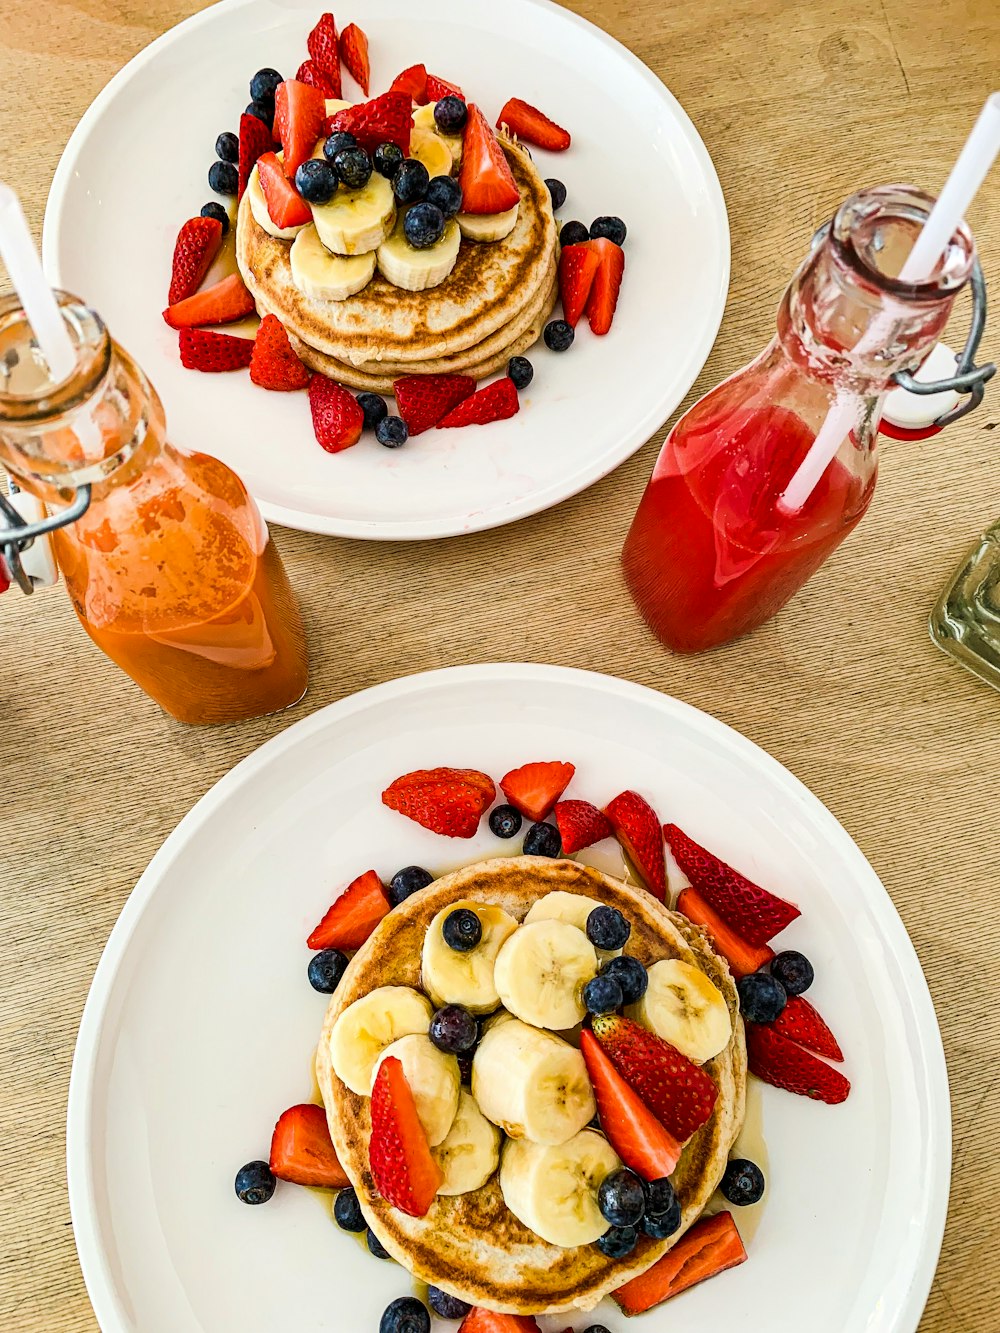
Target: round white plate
[136,167]
[200,1025]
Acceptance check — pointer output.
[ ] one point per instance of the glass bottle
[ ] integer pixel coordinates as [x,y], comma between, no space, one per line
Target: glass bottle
[710,554]
[966,620]
[170,570]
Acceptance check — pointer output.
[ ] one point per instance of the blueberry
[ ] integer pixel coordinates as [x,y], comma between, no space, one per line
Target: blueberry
[376,1247]
[621,1198]
[337,141]
[602,995]
[659,1196]
[410,182]
[255,1182]
[264,85]
[354,167]
[505,821]
[227,147]
[454,1030]
[423,225]
[743,1182]
[558,335]
[387,159]
[374,408]
[558,192]
[595,1328]
[521,371]
[573,233]
[607,928]
[762,997]
[411,879]
[405,1315]
[223,178]
[794,971]
[347,1212]
[617,1242]
[465,1070]
[392,432]
[462,930]
[630,975]
[214,210]
[662,1225]
[611,227]
[316,181]
[263,110]
[450,114]
[446,193]
[448,1307]
[326,969]
[542,840]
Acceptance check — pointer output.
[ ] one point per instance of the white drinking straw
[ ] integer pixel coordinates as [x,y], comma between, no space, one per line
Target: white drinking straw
[28,277]
[968,173]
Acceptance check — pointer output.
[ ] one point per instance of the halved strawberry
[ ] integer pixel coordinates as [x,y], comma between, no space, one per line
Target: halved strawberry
[479,1320]
[221,303]
[255,139]
[800,1022]
[754,913]
[299,114]
[449,801]
[577,266]
[742,958]
[534,788]
[353,916]
[309,72]
[196,246]
[636,1135]
[487,182]
[302,1150]
[354,53]
[437,88]
[493,402]
[387,118]
[580,825]
[679,1093]
[424,400]
[413,82]
[533,126]
[337,419]
[273,364]
[285,206]
[403,1170]
[603,299]
[711,1246]
[322,46]
[637,828]
[214,352]
[783,1064]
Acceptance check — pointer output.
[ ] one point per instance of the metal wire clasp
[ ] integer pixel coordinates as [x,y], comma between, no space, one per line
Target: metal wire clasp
[16,535]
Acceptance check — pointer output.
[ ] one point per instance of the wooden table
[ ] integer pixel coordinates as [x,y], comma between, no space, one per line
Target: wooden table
[799,104]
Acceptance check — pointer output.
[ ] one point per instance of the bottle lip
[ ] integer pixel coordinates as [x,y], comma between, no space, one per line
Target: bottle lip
[47,400]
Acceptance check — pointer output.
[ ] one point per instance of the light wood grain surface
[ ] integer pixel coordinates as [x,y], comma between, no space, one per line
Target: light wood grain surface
[799,104]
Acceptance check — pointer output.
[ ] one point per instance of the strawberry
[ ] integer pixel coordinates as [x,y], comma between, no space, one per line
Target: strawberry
[533,126]
[353,916]
[285,206]
[424,400]
[255,139]
[337,419]
[309,72]
[385,119]
[637,828]
[438,88]
[711,1246]
[632,1130]
[323,49]
[534,788]
[680,1095]
[487,182]
[299,113]
[479,1320]
[801,1023]
[221,303]
[494,402]
[302,1150]
[756,915]
[274,364]
[204,350]
[449,801]
[413,82]
[354,54]
[196,246]
[577,266]
[580,825]
[603,299]
[781,1063]
[743,958]
[403,1170]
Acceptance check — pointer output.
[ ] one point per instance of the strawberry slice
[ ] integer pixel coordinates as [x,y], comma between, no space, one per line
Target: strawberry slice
[742,958]
[255,140]
[800,1022]
[479,1320]
[580,825]
[487,182]
[534,788]
[637,828]
[754,913]
[781,1063]
[196,246]
[437,88]
[412,82]
[221,303]
[403,1170]
[636,1135]
[711,1246]
[493,402]
[449,801]
[533,126]
[385,119]
[299,113]
[354,54]
[214,352]
[309,72]
[273,364]
[680,1095]
[285,206]
[578,265]
[424,400]
[323,49]
[603,299]
[302,1150]
[353,916]
[337,419]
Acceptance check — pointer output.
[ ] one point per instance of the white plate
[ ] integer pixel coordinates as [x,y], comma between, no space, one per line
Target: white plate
[135,169]
[200,1024]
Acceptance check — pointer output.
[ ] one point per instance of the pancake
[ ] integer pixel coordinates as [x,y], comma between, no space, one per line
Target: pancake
[470,1244]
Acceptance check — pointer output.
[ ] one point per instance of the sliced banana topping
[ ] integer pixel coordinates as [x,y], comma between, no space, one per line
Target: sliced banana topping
[683,1007]
[541,972]
[368,1026]
[434,1080]
[258,207]
[423,121]
[324,276]
[334,104]
[531,1084]
[470,1153]
[553,1190]
[356,221]
[418,270]
[450,977]
[574,909]
[430,149]
[487,226]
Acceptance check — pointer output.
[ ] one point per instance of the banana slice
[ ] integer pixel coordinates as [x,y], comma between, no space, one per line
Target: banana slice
[470,1153]
[356,221]
[258,207]
[324,276]
[541,972]
[417,270]
[430,149]
[531,1084]
[434,1080]
[334,104]
[487,226]
[574,909]
[450,977]
[683,1007]
[368,1026]
[423,120]
[553,1190]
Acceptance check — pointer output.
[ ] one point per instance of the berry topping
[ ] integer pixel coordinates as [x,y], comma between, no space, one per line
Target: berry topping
[712,1245]
[631,976]
[621,1198]
[323,49]
[520,371]
[392,432]
[581,824]
[533,126]
[602,995]
[783,1064]
[409,880]
[262,111]
[385,119]
[374,409]
[316,181]
[603,299]
[410,182]
[221,303]
[743,1183]
[347,1212]
[637,829]
[448,1307]
[255,1183]
[223,178]
[264,85]
[309,72]
[216,210]
[611,227]
[542,840]
[462,930]
[326,969]
[445,193]
[354,167]
[424,400]
[617,1242]
[255,140]
[558,335]
[453,1029]
[801,1023]
[607,928]
[353,916]
[438,89]
[403,1170]
[354,53]
[302,1150]
[336,141]
[505,821]
[273,364]
[494,402]
[299,113]
[794,971]
[449,801]
[573,233]
[762,997]
[412,82]
[742,958]
[196,246]
[423,225]
[336,416]
[375,1246]
[578,265]
[638,1138]
[486,1321]
[227,147]
[201,349]
[663,1224]
[285,207]
[387,159]
[660,1197]
[487,182]
[535,788]
[405,1315]
[450,114]
[557,193]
